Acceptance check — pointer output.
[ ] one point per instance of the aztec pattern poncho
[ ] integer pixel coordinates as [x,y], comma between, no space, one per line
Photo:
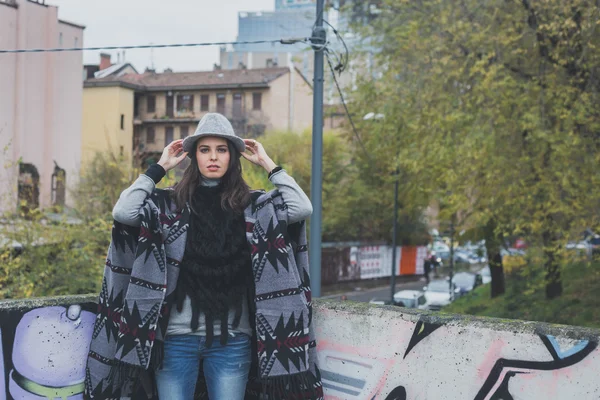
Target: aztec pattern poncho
[137,294]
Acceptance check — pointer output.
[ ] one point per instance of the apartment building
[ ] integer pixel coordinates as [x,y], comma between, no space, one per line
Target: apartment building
[152,109]
[40,106]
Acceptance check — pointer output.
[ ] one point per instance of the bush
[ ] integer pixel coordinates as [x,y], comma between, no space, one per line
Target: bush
[40,256]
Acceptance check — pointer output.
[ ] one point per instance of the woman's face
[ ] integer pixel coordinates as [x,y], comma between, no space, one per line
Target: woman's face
[212,155]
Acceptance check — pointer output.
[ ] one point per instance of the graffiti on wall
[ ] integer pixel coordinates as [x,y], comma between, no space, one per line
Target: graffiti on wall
[394,359]
[496,386]
[352,263]
[43,352]
[364,354]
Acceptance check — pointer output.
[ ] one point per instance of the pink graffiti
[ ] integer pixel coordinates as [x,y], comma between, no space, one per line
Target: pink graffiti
[490,358]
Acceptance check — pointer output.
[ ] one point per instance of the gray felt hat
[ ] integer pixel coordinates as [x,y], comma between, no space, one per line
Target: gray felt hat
[213,124]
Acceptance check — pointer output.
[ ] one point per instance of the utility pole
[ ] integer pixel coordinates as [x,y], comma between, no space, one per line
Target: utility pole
[318,40]
[451,255]
[394,240]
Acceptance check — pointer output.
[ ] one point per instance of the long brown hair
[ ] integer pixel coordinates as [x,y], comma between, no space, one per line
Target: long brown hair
[236,192]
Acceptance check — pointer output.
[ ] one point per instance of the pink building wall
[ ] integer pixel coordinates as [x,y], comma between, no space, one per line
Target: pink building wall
[41,96]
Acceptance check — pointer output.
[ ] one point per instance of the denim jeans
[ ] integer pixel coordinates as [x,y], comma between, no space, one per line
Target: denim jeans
[226,367]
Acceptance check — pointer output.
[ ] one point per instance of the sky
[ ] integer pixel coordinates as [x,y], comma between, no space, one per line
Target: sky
[141,22]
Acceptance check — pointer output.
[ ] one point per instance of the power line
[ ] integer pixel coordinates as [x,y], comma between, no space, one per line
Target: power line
[346,107]
[158,46]
[342,64]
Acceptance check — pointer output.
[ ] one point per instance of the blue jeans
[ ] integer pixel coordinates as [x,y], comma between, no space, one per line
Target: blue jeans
[226,367]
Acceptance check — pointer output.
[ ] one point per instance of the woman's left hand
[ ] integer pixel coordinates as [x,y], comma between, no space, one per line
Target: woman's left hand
[256,154]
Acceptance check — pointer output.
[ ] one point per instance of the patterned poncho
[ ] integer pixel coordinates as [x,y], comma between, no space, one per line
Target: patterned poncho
[138,286]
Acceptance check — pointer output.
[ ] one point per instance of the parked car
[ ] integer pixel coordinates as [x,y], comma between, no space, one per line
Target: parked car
[461,257]
[594,242]
[379,302]
[443,255]
[411,299]
[583,245]
[440,293]
[486,275]
[466,282]
[467,257]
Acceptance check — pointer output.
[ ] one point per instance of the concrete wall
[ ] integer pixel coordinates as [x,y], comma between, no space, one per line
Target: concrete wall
[102,110]
[381,352]
[40,117]
[290,103]
[302,102]
[365,352]
[8,90]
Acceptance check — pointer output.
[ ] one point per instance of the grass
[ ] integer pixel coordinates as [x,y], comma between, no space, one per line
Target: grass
[525,298]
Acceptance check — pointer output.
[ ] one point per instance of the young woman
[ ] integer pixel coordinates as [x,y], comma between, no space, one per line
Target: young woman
[217,287]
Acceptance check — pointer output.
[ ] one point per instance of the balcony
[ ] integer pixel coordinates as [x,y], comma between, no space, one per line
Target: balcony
[237,116]
[12,3]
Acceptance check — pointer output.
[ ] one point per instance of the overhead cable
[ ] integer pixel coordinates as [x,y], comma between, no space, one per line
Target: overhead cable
[346,107]
[286,41]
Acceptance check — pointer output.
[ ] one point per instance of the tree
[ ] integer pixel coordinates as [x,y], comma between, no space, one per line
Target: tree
[494,115]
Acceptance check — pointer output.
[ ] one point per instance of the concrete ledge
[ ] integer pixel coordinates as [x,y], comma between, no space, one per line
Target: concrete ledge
[387,352]
[364,352]
[460,320]
[37,302]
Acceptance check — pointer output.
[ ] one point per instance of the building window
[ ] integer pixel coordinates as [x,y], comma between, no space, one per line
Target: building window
[168,135]
[185,103]
[122,122]
[204,102]
[151,104]
[256,101]
[76,43]
[237,105]
[121,151]
[150,135]
[221,103]
[60,39]
[59,186]
[183,132]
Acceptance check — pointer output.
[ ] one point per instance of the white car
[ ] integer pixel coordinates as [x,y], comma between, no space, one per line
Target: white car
[486,275]
[438,294]
[411,299]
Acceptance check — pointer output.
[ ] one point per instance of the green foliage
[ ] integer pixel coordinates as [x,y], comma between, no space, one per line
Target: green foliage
[65,256]
[56,258]
[357,205]
[579,305]
[100,185]
[490,113]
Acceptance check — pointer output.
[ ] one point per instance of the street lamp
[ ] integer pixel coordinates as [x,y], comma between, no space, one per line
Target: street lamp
[377,117]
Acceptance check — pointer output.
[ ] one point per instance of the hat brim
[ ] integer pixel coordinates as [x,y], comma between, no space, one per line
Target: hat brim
[189,143]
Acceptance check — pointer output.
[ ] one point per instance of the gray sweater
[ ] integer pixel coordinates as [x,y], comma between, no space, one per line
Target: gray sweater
[127,211]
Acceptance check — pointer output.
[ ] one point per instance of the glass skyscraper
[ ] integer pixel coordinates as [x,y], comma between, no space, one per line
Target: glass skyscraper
[295,4]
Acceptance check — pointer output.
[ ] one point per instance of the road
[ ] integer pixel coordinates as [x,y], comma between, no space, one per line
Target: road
[381,293]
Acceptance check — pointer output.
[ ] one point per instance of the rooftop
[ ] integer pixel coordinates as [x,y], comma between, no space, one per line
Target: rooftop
[192,80]
[113,69]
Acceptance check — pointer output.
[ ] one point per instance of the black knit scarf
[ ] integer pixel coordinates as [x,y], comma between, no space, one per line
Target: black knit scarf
[216,269]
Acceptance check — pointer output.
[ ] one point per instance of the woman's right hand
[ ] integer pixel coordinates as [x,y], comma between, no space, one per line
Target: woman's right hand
[169,159]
